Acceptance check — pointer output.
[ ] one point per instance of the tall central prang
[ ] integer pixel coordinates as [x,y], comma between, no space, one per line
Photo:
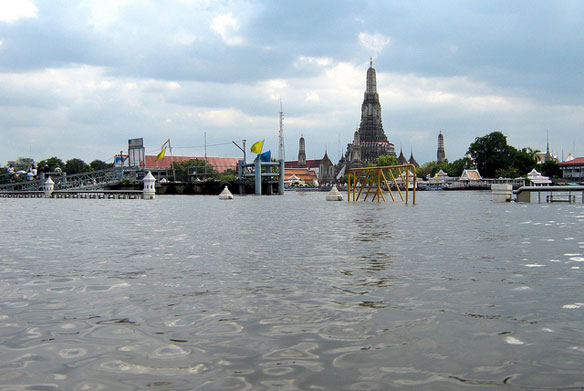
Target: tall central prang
[369,141]
[371,135]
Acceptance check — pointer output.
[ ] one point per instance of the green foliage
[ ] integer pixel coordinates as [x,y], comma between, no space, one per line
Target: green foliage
[23,163]
[387,160]
[453,169]
[432,168]
[456,168]
[550,169]
[201,168]
[510,172]
[493,156]
[99,165]
[52,162]
[227,175]
[76,166]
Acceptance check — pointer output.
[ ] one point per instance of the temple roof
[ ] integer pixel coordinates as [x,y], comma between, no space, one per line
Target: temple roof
[402,159]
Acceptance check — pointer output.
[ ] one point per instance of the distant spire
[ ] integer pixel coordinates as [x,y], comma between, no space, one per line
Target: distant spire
[371,62]
[301,152]
[548,155]
[440,154]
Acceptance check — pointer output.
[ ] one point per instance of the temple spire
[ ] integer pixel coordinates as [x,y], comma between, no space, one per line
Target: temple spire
[371,79]
[301,152]
[440,154]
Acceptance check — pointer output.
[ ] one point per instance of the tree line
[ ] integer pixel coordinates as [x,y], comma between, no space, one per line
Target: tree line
[71,166]
[494,158]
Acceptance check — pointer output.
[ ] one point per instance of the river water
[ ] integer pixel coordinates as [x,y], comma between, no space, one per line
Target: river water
[291,293]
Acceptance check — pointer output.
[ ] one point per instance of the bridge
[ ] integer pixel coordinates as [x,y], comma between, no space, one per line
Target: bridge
[92,180]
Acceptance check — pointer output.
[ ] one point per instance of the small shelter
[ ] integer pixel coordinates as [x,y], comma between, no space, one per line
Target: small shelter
[537,179]
[471,176]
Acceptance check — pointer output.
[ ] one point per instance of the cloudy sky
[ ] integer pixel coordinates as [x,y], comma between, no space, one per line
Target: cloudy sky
[80,78]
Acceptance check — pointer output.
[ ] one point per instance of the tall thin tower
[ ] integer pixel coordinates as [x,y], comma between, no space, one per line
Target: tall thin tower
[281,150]
[440,155]
[301,152]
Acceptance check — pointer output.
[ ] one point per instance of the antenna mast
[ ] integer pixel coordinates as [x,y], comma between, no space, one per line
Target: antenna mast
[281,154]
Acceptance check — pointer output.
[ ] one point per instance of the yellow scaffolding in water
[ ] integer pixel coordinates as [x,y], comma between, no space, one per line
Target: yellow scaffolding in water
[403,179]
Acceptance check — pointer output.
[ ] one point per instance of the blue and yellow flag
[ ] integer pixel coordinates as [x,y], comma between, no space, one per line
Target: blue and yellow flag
[265,157]
[257,147]
[163,149]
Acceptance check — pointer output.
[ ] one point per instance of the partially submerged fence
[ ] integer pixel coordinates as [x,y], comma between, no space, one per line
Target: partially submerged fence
[396,181]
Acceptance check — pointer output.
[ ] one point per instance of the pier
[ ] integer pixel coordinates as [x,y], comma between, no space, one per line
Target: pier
[264,176]
[569,194]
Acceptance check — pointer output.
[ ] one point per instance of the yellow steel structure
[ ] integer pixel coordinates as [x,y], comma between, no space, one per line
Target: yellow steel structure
[402,180]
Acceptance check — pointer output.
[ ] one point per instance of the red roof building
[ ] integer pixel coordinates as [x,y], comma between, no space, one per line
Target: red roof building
[305,174]
[309,164]
[220,164]
[573,169]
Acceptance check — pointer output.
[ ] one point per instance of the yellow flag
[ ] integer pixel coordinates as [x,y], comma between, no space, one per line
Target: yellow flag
[257,147]
[161,154]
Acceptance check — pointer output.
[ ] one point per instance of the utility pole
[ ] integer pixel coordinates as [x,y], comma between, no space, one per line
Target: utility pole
[241,149]
[281,152]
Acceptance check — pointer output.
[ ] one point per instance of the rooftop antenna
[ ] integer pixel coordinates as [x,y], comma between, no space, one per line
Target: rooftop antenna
[281,152]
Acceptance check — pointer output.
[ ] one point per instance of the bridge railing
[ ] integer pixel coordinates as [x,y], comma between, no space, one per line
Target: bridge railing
[86,180]
[397,181]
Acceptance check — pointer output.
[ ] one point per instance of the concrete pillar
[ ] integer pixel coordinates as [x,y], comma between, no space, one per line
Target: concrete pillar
[502,192]
[149,192]
[258,177]
[240,176]
[48,187]
[281,178]
[524,196]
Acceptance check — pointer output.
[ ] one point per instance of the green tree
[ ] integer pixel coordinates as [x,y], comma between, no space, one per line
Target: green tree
[201,168]
[491,153]
[23,163]
[76,166]
[99,165]
[524,161]
[509,172]
[387,160]
[228,175]
[431,168]
[53,162]
[550,169]
[456,168]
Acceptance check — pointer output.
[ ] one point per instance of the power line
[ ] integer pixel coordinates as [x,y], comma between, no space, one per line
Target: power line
[208,145]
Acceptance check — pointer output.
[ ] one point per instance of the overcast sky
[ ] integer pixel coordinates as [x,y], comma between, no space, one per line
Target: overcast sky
[80,78]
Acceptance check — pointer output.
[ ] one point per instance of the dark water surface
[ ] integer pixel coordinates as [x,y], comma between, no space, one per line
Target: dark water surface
[291,293]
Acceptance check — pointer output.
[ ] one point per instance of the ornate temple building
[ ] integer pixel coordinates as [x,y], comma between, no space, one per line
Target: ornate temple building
[369,141]
[402,159]
[314,171]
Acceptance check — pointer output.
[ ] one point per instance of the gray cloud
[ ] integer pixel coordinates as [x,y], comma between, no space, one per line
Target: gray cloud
[516,67]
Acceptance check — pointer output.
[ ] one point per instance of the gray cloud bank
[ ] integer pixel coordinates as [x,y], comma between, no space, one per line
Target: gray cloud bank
[77,79]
